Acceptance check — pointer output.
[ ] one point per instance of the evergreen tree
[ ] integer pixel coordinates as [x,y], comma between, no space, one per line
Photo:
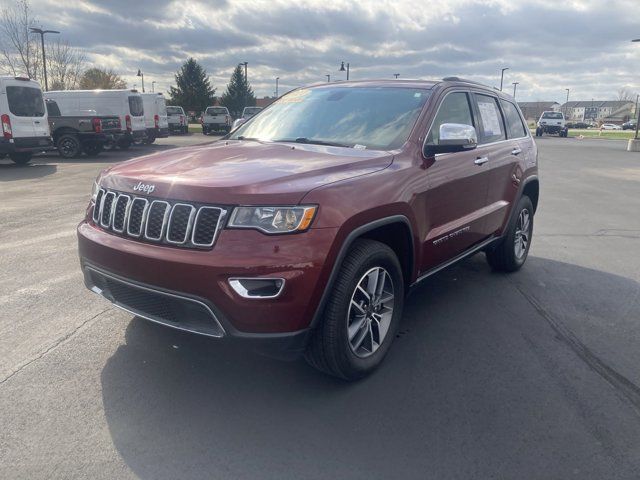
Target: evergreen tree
[193,90]
[238,94]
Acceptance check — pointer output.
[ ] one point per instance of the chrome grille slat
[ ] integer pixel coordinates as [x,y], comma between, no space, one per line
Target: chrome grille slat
[172,223]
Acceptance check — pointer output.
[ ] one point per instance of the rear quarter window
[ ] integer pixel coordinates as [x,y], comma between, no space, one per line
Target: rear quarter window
[515,126]
[25,101]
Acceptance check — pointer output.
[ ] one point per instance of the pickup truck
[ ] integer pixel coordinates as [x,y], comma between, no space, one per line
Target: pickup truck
[216,119]
[85,132]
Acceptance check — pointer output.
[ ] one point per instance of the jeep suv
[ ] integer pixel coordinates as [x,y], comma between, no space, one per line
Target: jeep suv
[302,231]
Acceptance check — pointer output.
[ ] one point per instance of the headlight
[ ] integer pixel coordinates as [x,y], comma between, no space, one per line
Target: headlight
[273,219]
[94,191]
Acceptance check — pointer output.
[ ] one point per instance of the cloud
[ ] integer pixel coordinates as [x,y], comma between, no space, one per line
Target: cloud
[548,45]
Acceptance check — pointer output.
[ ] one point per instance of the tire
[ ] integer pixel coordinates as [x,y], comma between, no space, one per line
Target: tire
[205,131]
[149,140]
[92,149]
[331,350]
[538,132]
[124,144]
[20,158]
[512,252]
[69,145]
[185,130]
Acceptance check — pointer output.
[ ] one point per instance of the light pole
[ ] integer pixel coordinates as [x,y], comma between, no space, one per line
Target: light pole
[637,116]
[153,87]
[328,78]
[246,79]
[342,69]
[140,74]
[277,78]
[41,32]
[396,75]
[515,84]
[502,76]
[566,105]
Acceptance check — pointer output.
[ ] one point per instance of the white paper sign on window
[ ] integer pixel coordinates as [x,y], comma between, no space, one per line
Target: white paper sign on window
[490,119]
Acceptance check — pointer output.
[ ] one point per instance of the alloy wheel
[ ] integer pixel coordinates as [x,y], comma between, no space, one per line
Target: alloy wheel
[523,233]
[370,312]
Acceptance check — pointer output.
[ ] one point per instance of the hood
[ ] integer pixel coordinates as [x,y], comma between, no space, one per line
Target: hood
[243,172]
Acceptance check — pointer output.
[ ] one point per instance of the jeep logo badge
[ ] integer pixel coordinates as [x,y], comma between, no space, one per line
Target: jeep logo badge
[144,188]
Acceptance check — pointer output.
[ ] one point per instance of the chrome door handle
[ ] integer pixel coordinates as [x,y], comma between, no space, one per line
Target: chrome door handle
[516,151]
[481,160]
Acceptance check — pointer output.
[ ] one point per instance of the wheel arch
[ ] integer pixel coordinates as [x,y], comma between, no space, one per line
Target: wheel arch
[395,231]
[64,131]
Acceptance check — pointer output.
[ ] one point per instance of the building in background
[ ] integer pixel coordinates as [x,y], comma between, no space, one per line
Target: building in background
[610,111]
[533,110]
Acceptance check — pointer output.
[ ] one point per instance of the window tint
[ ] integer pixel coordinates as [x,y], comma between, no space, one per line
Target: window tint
[552,115]
[490,122]
[52,109]
[175,111]
[135,106]
[217,111]
[515,127]
[25,101]
[454,109]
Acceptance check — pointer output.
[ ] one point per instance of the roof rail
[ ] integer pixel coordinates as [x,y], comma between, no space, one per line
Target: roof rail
[458,79]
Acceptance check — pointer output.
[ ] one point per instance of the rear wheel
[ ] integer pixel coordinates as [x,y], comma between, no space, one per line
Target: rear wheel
[150,139]
[69,146]
[124,144]
[513,249]
[362,314]
[92,149]
[20,158]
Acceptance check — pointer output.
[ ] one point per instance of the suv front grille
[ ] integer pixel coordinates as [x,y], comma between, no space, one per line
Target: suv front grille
[158,221]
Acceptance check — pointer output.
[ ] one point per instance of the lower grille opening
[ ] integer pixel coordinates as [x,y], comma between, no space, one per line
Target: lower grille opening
[172,310]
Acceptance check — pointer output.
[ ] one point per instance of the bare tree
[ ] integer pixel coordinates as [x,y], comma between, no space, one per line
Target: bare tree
[65,65]
[102,79]
[626,94]
[18,48]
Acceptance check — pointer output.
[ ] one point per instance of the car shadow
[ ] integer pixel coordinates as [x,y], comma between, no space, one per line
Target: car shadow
[10,171]
[486,376]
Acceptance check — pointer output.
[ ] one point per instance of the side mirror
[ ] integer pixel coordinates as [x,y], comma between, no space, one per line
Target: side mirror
[454,137]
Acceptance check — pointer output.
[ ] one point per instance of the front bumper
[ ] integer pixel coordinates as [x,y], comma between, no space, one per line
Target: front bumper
[26,144]
[300,259]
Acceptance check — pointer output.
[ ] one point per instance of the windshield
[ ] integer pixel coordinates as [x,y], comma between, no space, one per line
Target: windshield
[174,111]
[135,106]
[379,118]
[25,101]
[216,111]
[552,115]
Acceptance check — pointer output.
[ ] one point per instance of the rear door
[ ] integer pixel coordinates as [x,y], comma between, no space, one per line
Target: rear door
[162,112]
[136,111]
[499,153]
[26,109]
[456,198]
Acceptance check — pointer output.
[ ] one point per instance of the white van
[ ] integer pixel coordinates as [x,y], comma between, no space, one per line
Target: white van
[155,116]
[25,127]
[127,104]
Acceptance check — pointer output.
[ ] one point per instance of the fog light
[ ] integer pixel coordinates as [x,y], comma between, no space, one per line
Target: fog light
[257,287]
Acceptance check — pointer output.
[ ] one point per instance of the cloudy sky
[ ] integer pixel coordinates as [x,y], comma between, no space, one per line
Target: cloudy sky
[549,45]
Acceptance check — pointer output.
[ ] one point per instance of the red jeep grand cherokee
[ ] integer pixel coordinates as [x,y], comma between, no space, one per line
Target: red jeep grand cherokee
[302,230]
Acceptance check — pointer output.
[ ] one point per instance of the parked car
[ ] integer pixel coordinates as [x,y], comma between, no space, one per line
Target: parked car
[126,104]
[81,132]
[307,240]
[25,130]
[177,120]
[215,119]
[610,126]
[552,123]
[583,125]
[155,116]
[630,125]
[247,113]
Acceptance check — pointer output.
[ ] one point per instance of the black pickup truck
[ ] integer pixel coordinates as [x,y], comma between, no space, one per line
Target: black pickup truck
[75,134]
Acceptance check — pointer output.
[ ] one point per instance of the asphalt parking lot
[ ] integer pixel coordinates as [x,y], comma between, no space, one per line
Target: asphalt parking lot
[532,375]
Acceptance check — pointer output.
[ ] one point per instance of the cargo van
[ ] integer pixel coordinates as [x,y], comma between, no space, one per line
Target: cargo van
[25,127]
[127,104]
[155,116]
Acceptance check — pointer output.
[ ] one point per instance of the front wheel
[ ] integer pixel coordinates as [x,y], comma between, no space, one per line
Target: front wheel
[20,158]
[513,249]
[362,314]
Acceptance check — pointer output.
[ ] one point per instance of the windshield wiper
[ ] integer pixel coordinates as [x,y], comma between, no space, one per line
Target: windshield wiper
[312,141]
[242,137]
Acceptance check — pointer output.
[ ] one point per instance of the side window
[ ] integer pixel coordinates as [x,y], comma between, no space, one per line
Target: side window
[454,108]
[491,125]
[515,127]
[52,108]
